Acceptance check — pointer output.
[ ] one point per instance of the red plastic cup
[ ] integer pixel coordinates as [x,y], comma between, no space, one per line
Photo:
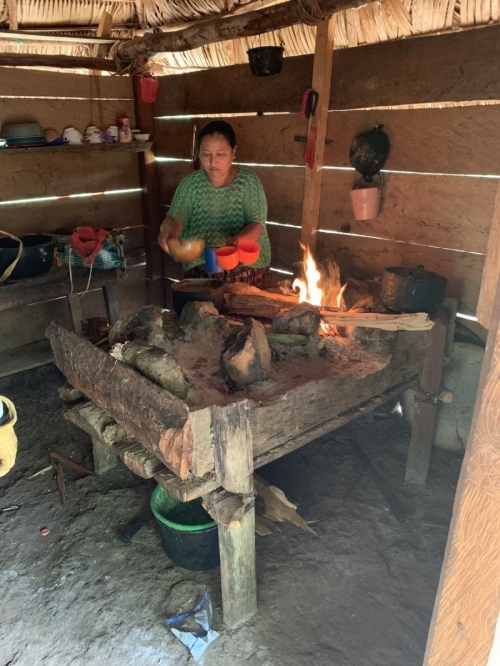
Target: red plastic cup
[227,257]
[248,251]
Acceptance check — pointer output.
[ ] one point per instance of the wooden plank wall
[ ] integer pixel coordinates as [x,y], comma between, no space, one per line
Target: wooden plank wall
[56,101]
[441,175]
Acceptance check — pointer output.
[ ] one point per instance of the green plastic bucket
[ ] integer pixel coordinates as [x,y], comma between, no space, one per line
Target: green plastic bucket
[188,534]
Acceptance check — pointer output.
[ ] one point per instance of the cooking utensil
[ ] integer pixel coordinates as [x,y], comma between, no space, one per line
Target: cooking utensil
[412,289]
[186,250]
[227,257]
[369,152]
[197,290]
[35,259]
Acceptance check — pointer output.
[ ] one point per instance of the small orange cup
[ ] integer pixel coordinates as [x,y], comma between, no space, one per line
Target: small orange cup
[227,257]
[248,251]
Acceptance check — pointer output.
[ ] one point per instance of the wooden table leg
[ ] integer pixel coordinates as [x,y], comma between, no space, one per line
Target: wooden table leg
[426,403]
[234,470]
[110,294]
[104,456]
[75,311]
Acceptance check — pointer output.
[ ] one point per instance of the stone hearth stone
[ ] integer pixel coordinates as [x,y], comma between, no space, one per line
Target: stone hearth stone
[146,325]
[203,317]
[248,360]
[157,365]
[302,319]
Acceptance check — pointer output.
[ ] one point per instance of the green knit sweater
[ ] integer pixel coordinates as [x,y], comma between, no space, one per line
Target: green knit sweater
[217,213]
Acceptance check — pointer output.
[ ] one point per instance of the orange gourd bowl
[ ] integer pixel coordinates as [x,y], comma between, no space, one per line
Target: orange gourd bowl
[248,251]
[227,257]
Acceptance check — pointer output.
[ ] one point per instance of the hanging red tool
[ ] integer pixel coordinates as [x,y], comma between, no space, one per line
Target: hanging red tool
[307,109]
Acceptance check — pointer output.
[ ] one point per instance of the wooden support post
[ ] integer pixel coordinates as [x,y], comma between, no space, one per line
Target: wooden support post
[111,303]
[467,603]
[103,30]
[155,276]
[316,135]
[12,14]
[491,269]
[427,403]
[234,471]
[105,457]
[75,311]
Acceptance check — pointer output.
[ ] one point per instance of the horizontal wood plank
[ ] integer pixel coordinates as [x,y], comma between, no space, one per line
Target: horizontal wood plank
[444,68]
[459,140]
[40,175]
[58,114]
[112,211]
[18,82]
[441,211]
[131,296]
[366,257]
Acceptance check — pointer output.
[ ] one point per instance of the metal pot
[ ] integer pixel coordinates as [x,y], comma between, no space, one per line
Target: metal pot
[265,60]
[36,257]
[412,289]
[369,152]
[197,290]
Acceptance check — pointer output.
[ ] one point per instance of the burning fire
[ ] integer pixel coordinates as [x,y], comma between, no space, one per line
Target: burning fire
[316,288]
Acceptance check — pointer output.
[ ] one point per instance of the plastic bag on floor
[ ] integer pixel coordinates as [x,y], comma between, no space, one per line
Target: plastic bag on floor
[194,628]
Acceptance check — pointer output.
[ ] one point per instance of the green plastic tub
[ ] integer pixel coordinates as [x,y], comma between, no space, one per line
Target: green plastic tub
[188,534]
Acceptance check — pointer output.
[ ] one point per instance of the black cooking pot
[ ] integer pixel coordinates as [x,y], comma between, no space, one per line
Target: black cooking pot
[265,60]
[36,257]
[412,289]
[369,152]
[197,290]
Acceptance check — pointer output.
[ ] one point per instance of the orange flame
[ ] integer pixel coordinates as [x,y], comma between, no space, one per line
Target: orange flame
[310,289]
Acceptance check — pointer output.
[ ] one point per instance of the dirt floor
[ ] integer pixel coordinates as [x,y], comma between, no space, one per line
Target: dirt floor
[360,594]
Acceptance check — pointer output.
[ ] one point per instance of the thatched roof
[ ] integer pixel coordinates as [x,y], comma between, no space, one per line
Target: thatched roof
[375,22]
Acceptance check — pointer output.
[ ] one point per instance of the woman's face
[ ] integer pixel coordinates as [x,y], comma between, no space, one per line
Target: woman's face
[216,156]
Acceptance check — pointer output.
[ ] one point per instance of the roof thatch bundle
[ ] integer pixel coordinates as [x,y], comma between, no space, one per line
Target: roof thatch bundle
[378,21]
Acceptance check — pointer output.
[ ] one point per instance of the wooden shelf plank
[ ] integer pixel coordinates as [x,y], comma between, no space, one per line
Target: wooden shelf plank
[26,357]
[132,147]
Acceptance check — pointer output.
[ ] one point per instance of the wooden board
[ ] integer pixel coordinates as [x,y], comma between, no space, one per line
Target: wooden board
[31,356]
[58,114]
[113,211]
[441,211]
[28,176]
[131,297]
[301,411]
[465,614]
[18,82]
[440,140]
[491,272]
[454,67]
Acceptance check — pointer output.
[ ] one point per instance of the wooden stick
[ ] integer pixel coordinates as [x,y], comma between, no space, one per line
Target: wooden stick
[418,321]
[425,414]
[321,81]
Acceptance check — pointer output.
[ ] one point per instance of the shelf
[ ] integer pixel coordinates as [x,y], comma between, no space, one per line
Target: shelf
[132,147]
[26,357]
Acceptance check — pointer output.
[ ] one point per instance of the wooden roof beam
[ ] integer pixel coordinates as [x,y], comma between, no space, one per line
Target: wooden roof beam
[58,61]
[217,30]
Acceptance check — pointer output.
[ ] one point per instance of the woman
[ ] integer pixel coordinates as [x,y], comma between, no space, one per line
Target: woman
[222,204]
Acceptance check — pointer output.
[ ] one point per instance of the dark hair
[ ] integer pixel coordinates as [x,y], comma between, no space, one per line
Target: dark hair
[218,127]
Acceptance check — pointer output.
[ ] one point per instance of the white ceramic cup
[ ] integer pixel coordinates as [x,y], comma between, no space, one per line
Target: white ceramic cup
[93,134]
[112,132]
[72,136]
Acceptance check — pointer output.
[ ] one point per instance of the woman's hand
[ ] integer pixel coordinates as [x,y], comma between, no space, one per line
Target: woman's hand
[252,231]
[169,228]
